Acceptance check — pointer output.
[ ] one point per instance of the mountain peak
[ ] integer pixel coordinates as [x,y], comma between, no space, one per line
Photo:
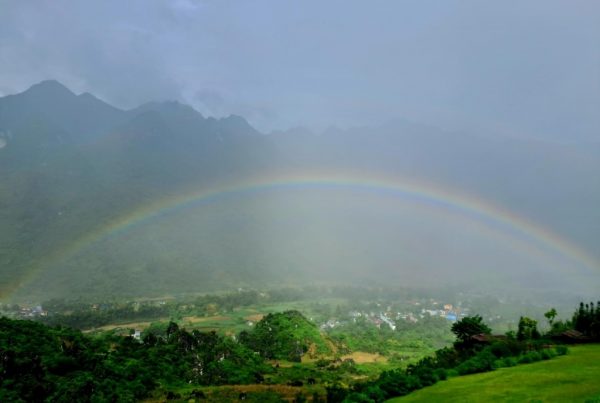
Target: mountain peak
[234,124]
[51,88]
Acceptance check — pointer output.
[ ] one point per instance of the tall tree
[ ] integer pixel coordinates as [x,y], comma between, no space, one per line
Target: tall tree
[468,327]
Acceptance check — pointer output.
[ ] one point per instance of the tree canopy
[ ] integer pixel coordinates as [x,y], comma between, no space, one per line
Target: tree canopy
[468,327]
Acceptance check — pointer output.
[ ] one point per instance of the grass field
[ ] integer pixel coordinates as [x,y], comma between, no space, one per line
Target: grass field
[571,378]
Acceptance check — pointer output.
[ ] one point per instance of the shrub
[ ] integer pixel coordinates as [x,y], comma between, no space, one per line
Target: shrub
[482,362]
[356,397]
[322,363]
[440,374]
[500,350]
[547,354]
[530,357]
[561,350]
[525,359]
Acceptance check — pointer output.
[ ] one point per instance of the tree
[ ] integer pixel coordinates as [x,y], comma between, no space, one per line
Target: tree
[550,315]
[527,329]
[468,327]
[172,328]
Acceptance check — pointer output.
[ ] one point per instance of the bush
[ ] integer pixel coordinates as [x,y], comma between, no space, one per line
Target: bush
[395,383]
[356,397]
[547,354]
[561,350]
[322,363]
[500,350]
[482,362]
[530,357]
[374,393]
[441,374]
[525,359]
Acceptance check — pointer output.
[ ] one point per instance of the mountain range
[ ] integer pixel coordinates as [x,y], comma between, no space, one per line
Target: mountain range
[72,163]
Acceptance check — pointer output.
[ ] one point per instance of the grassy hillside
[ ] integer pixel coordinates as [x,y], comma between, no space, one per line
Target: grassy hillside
[573,377]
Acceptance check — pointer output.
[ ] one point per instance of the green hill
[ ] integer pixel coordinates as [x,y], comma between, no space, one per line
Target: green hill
[286,335]
[569,378]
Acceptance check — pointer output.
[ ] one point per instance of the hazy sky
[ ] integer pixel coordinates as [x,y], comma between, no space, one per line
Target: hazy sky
[529,68]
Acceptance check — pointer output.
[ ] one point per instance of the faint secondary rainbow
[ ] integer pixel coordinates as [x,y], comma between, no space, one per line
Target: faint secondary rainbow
[418,192]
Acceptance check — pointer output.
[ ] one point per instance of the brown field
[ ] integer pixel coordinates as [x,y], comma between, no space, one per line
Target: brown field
[144,325]
[360,357]
[200,319]
[131,325]
[255,318]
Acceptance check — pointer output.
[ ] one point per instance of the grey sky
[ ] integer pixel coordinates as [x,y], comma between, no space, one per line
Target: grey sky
[526,68]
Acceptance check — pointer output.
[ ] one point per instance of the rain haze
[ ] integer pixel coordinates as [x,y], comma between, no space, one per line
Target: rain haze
[183,146]
[299,201]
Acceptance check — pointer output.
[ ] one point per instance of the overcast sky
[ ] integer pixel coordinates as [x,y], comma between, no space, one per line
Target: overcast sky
[525,68]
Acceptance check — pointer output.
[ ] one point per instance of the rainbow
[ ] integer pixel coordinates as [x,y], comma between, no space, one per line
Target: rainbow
[538,240]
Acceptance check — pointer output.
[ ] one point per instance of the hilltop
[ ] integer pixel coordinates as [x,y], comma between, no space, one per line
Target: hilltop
[286,336]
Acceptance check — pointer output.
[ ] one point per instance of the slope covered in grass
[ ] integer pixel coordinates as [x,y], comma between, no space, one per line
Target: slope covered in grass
[573,377]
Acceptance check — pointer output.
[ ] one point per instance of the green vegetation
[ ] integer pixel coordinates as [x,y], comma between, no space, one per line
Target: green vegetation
[44,363]
[355,356]
[570,378]
[474,351]
[287,336]
[587,320]
[467,328]
[60,364]
[409,342]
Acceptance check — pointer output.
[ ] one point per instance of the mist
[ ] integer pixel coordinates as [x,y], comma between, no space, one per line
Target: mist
[193,146]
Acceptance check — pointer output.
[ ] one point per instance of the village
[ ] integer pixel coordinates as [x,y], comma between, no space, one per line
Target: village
[389,317]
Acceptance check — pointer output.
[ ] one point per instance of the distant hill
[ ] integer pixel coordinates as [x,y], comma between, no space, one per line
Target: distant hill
[72,164]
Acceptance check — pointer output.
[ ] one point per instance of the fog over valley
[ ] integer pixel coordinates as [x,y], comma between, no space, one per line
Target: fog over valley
[160,199]
[299,201]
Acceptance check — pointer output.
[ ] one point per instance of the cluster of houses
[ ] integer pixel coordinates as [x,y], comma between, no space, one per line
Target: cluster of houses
[389,318]
[28,312]
[448,311]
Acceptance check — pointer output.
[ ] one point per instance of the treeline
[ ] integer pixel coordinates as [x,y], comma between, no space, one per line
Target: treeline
[426,335]
[476,350]
[587,320]
[39,363]
[82,314]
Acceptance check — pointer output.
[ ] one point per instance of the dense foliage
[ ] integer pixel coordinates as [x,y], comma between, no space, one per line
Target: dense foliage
[587,320]
[474,351]
[287,336]
[60,364]
[468,327]
[426,335]
[38,362]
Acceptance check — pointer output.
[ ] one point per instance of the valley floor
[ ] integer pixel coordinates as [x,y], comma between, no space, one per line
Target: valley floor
[574,377]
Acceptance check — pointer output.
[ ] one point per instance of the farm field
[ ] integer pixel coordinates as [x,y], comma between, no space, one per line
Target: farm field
[569,378]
